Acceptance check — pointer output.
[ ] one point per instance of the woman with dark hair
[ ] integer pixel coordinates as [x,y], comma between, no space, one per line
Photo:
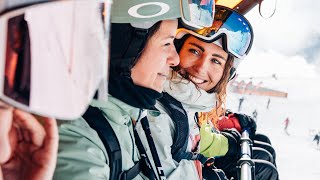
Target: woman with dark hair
[141,56]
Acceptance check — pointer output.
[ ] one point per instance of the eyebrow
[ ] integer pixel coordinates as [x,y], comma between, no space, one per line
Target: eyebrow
[167,37]
[202,49]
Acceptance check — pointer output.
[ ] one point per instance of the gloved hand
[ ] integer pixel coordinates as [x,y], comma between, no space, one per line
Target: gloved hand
[233,137]
[228,122]
[246,122]
[239,122]
[228,165]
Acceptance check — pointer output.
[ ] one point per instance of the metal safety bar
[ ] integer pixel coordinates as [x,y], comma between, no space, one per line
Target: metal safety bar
[245,164]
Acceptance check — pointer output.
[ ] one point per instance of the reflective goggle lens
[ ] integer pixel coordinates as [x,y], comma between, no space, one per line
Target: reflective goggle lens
[239,32]
[234,26]
[197,14]
[53,56]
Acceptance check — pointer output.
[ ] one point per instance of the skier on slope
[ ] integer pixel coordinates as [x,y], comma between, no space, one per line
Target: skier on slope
[317,138]
[286,124]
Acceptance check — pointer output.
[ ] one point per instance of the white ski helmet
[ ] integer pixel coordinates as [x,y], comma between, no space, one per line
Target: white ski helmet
[53,54]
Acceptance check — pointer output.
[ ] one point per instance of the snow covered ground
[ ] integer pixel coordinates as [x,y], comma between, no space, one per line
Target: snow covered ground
[297,155]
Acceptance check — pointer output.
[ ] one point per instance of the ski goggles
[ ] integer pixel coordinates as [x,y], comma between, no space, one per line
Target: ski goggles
[233,27]
[194,14]
[197,14]
[54,56]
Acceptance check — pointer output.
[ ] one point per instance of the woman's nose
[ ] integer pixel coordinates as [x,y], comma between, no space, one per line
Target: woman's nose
[201,66]
[173,58]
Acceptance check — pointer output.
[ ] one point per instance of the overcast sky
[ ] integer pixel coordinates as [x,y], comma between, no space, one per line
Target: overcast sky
[287,44]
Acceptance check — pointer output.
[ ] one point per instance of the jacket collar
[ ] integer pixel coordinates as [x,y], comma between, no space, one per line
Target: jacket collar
[191,97]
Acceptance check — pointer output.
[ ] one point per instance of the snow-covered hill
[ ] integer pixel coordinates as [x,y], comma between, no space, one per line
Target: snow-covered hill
[297,155]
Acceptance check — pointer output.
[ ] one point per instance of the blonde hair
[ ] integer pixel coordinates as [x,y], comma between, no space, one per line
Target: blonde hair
[221,93]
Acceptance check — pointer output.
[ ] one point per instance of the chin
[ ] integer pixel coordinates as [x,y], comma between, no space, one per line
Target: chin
[156,88]
[203,87]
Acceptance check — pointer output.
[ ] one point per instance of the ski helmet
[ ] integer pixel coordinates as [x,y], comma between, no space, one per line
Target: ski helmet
[49,44]
[132,21]
[6,5]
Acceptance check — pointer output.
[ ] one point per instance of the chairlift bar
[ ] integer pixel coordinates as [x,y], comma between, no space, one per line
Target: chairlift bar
[245,163]
[245,171]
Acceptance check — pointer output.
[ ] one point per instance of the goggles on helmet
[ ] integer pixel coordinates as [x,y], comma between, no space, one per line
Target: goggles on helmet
[233,27]
[53,56]
[197,14]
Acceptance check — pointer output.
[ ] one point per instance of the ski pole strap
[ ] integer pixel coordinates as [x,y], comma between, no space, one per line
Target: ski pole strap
[194,156]
[145,126]
[146,167]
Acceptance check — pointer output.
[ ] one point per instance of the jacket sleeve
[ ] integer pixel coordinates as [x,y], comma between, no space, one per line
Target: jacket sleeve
[81,153]
[162,130]
[212,144]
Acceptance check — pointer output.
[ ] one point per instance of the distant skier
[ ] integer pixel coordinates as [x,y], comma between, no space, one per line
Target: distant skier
[286,124]
[317,138]
[268,103]
[274,76]
[254,115]
[240,103]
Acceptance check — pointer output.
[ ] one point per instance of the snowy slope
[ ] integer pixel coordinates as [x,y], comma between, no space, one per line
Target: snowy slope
[297,155]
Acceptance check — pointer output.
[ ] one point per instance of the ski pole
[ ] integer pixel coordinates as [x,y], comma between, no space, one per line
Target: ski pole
[245,164]
[155,156]
[149,172]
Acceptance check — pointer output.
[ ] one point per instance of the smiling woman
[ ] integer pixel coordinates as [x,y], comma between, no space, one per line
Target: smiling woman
[207,65]
[154,63]
[202,63]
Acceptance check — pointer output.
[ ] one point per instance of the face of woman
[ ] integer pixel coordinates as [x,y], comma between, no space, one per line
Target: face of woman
[202,63]
[157,57]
